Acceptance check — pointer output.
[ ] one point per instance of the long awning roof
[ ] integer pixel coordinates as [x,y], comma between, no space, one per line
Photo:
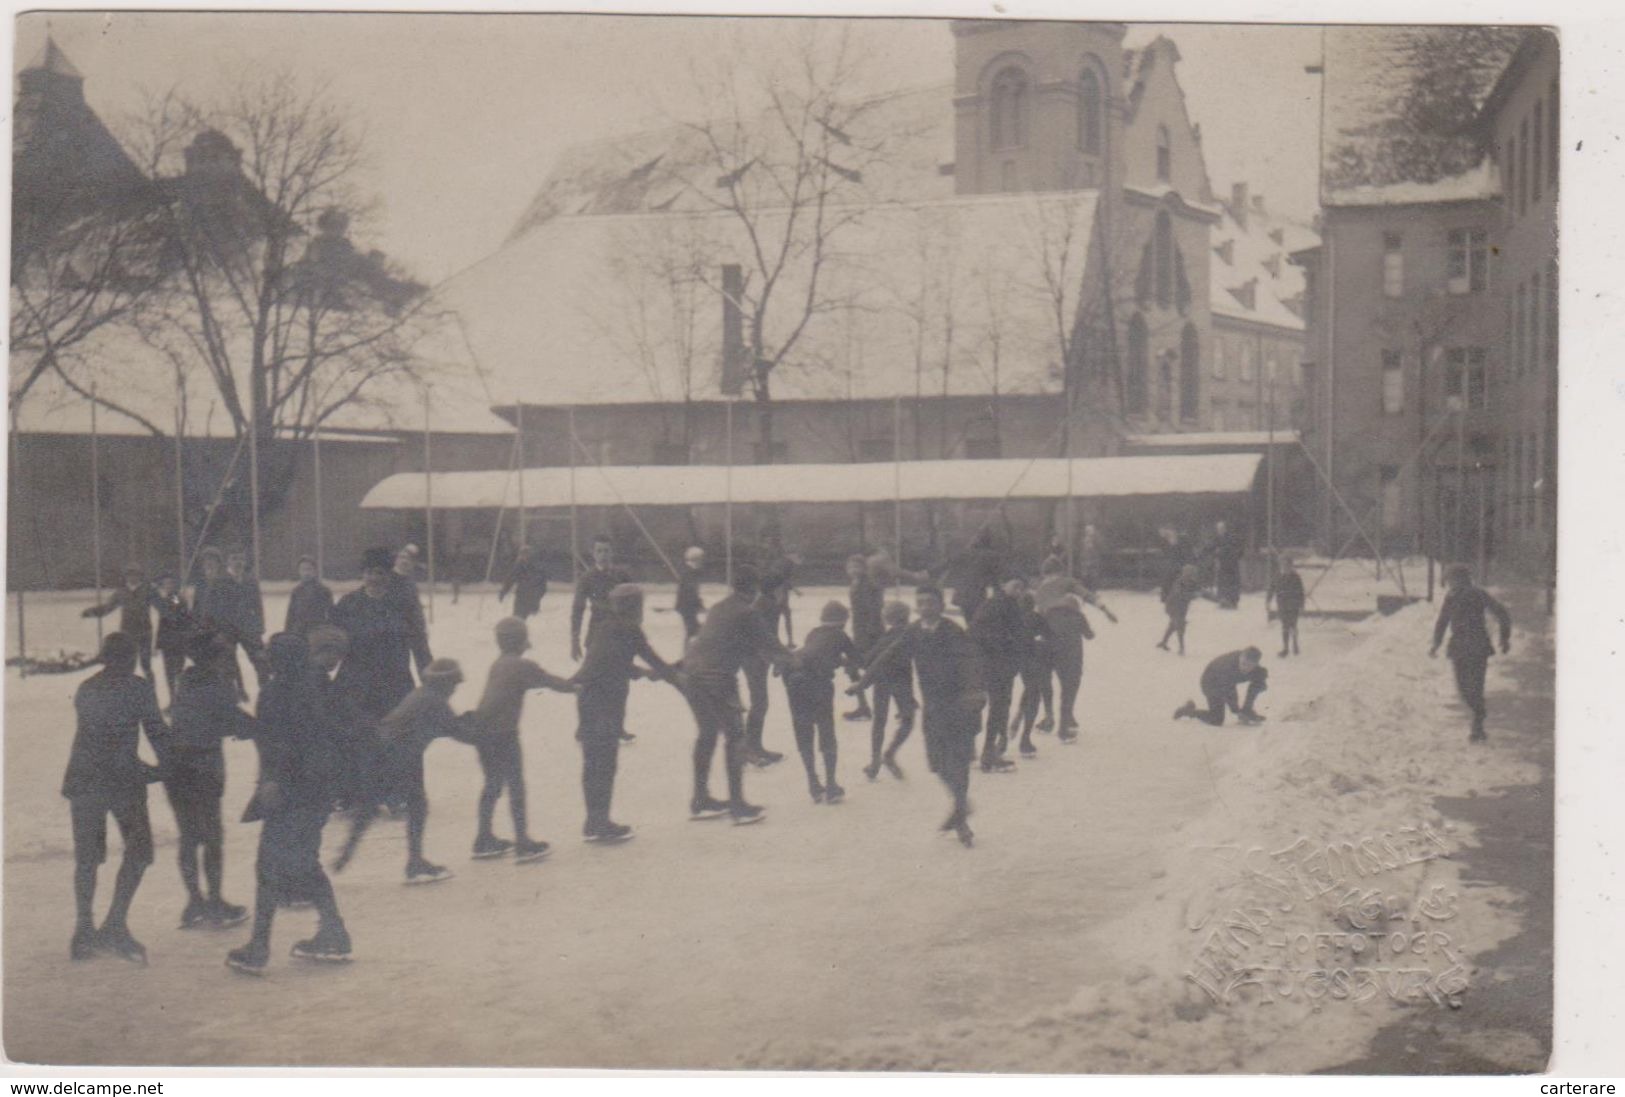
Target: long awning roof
[694,485]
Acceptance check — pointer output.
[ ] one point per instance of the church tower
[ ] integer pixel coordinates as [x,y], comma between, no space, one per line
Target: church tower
[1034,105]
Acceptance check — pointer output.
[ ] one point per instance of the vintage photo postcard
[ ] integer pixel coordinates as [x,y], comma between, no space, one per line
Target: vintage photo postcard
[988,545]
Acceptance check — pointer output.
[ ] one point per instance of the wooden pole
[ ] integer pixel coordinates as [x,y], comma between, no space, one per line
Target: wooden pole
[316,460]
[1269,496]
[575,527]
[96,508]
[428,500]
[254,484]
[897,488]
[519,422]
[22,623]
[728,498]
[180,487]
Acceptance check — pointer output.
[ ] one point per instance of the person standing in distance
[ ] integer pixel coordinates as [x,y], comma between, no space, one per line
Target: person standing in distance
[1462,616]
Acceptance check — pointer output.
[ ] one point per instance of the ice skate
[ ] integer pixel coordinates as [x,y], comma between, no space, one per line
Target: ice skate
[1045,725]
[526,851]
[744,814]
[815,790]
[250,959]
[84,945]
[608,833]
[857,715]
[966,836]
[890,762]
[196,914]
[331,945]
[423,872]
[1251,719]
[998,765]
[222,914]
[491,846]
[834,794]
[705,807]
[872,770]
[117,940]
[627,738]
[1068,737]
[1028,750]
[1185,711]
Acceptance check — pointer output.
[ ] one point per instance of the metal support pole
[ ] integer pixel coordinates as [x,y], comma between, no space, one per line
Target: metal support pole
[96,508]
[1269,478]
[575,524]
[519,440]
[180,488]
[428,500]
[728,497]
[316,462]
[1461,466]
[254,482]
[897,488]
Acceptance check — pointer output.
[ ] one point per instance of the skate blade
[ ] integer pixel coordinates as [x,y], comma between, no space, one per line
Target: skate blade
[246,969]
[422,881]
[532,858]
[320,958]
[225,923]
[605,840]
[967,840]
[491,855]
[707,816]
[751,821]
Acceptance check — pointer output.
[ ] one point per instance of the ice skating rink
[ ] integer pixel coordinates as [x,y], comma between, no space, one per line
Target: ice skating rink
[847,936]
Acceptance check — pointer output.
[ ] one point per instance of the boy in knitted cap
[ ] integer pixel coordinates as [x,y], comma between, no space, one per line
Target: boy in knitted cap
[602,683]
[497,739]
[809,682]
[894,682]
[404,734]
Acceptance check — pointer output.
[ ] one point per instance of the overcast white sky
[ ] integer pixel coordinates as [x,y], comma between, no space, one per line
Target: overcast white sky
[465,113]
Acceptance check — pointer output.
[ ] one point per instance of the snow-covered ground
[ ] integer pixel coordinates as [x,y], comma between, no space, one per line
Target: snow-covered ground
[852,936]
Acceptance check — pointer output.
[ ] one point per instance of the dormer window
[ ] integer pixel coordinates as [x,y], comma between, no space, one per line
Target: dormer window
[1009,114]
[1165,155]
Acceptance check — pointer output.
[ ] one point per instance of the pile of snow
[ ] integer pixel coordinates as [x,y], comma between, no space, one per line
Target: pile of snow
[1315,903]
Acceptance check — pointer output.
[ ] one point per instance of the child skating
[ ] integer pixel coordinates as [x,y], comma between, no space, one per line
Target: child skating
[893,682]
[1181,593]
[1286,589]
[809,682]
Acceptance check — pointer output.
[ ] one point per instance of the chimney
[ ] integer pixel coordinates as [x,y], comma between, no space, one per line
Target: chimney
[1238,203]
[1258,204]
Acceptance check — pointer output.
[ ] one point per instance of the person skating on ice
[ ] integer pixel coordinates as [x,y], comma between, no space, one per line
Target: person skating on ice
[528,581]
[134,604]
[250,610]
[733,634]
[1036,660]
[1001,633]
[496,725]
[174,629]
[298,736]
[809,684]
[591,600]
[893,683]
[106,776]
[1286,590]
[952,689]
[204,715]
[1181,593]
[865,597]
[1462,616]
[310,603]
[404,734]
[689,604]
[1220,680]
[1060,599]
[602,683]
[756,668]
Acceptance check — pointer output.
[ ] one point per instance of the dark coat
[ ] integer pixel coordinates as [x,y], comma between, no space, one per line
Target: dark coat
[866,600]
[528,581]
[1287,590]
[945,658]
[377,671]
[134,608]
[175,621]
[1001,632]
[592,592]
[310,604]
[1462,615]
[734,632]
[113,710]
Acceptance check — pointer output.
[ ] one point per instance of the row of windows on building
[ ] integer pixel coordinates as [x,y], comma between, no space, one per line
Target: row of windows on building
[1532,322]
[1466,262]
[1529,155]
[1518,489]
[1010,103]
[1246,369]
[1466,380]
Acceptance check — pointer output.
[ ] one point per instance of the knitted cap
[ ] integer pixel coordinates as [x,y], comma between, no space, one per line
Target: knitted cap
[833,613]
[442,670]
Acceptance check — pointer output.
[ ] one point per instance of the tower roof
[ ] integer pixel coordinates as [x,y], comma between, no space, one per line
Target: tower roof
[51,59]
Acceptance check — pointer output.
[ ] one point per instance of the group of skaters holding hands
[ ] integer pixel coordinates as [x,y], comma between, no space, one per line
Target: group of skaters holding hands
[342,724]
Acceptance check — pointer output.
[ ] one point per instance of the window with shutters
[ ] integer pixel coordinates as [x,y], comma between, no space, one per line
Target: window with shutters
[1139,367]
[1393,382]
[1466,379]
[1392,498]
[1393,265]
[1466,267]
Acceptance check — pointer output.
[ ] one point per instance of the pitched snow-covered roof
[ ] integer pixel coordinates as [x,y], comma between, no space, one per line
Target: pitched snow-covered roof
[1402,103]
[1218,439]
[1482,181]
[1256,254]
[694,485]
[625,309]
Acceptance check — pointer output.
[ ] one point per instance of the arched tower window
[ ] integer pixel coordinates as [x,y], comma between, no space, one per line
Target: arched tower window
[1139,367]
[1009,108]
[1163,259]
[1090,113]
[1165,155]
[1190,373]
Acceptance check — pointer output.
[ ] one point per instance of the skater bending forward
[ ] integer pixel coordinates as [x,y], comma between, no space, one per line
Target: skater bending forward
[1219,683]
[809,682]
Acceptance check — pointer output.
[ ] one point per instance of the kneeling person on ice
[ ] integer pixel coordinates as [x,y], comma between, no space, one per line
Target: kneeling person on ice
[497,739]
[809,682]
[734,633]
[601,685]
[1219,683]
[404,735]
[952,687]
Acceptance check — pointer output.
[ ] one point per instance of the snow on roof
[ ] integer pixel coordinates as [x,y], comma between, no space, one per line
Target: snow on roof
[623,309]
[1258,254]
[1402,102]
[1237,439]
[694,485]
[1477,183]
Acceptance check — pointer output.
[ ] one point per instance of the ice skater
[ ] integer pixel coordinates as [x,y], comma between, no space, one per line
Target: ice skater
[1220,679]
[1036,660]
[249,617]
[809,684]
[300,747]
[893,684]
[205,713]
[497,740]
[865,598]
[1060,599]
[1286,589]
[174,629]
[106,776]
[777,579]
[134,603]
[951,685]
[602,683]
[756,666]
[591,601]
[1462,616]
[1177,603]
[998,631]
[734,633]
[528,581]
[311,601]
[689,605]
[404,734]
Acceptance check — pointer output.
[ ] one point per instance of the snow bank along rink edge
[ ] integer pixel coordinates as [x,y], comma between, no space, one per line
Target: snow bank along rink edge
[1315,902]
